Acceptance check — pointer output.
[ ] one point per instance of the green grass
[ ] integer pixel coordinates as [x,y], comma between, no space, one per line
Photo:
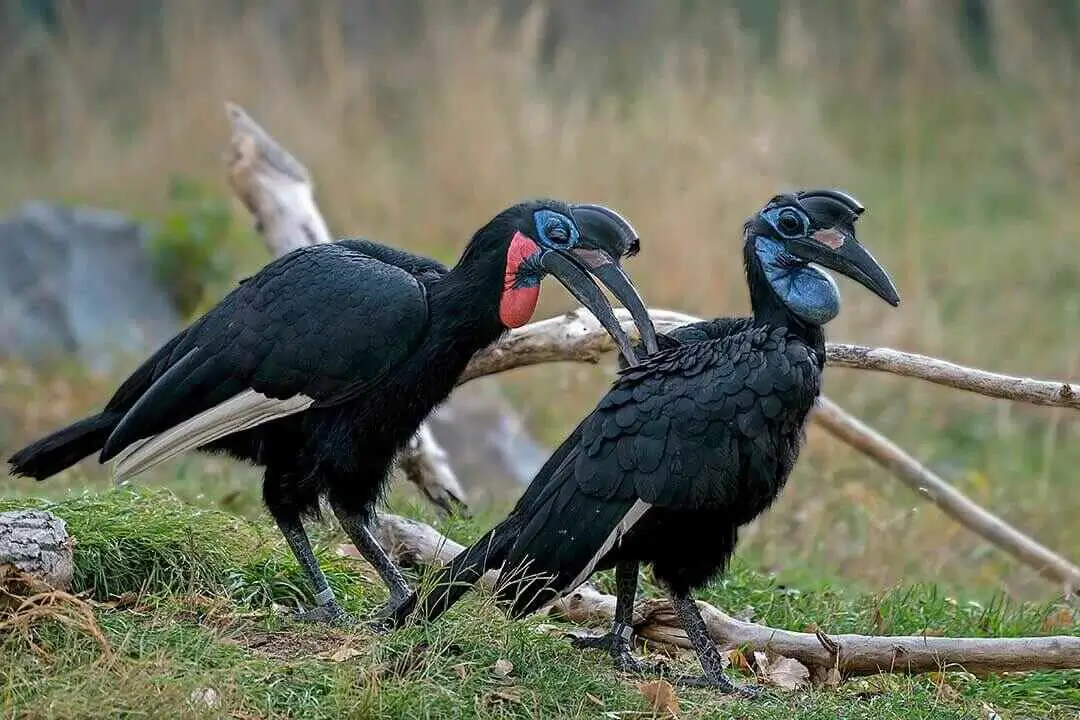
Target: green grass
[208,621]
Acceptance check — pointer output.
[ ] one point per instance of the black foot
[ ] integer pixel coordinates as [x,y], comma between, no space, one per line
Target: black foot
[392,615]
[329,614]
[747,692]
[619,650]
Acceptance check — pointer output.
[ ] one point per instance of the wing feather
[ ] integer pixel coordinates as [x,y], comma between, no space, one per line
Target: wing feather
[321,325]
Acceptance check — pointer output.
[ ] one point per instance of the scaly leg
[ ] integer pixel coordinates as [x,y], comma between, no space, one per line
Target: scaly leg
[326,608]
[712,665]
[617,641]
[402,599]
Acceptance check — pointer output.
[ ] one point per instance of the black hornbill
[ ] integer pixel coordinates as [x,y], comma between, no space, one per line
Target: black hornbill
[321,366]
[688,445]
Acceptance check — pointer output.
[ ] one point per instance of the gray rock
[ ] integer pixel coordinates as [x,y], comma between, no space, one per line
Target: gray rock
[78,282]
[490,448]
[37,543]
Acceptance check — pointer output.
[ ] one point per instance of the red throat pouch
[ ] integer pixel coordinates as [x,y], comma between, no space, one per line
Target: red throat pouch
[517,305]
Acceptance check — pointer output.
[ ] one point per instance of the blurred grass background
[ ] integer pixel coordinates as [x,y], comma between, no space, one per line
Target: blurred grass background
[952,121]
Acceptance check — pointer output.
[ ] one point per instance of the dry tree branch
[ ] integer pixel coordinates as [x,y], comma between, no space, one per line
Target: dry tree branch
[277,190]
[411,543]
[577,336]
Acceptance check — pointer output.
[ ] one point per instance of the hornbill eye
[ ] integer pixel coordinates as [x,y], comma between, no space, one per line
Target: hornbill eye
[557,233]
[791,224]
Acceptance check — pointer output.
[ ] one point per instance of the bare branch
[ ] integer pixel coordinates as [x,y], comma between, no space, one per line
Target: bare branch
[1054,393]
[411,543]
[274,186]
[277,190]
[578,336]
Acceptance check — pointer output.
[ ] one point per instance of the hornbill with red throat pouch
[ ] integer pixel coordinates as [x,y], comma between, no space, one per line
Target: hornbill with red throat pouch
[321,367]
[688,445]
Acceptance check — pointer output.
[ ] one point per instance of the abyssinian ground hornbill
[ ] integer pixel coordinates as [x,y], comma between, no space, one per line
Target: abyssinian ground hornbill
[322,365]
[688,445]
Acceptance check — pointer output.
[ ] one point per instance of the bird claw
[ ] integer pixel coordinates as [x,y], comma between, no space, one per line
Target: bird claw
[329,614]
[745,692]
[627,663]
[618,648]
[592,642]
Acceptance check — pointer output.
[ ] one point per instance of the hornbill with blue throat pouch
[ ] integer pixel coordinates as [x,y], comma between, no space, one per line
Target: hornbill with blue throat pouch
[688,445]
[321,366]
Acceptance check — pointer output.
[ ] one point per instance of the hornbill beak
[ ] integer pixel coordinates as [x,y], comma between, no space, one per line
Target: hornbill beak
[606,238]
[840,251]
[568,270]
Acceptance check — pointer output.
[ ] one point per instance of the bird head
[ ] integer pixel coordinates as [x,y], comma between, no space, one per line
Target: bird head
[572,243]
[794,230]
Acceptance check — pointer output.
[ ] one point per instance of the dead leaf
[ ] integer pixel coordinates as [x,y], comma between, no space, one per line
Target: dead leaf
[343,653]
[989,713]
[661,697]
[502,668]
[594,700]
[1062,617]
[506,695]
[787,674]
[548,629]
[462,670]
[737,660]
[206,696]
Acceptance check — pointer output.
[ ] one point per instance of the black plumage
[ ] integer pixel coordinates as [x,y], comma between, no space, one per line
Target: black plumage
[687,446]
[322,365]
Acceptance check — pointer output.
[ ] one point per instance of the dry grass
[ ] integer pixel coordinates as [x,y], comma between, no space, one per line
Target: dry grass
[969,181]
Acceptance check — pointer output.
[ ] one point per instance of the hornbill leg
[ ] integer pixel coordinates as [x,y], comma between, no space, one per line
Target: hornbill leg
[709,657]
[326,609]
[617,641]
[402,599]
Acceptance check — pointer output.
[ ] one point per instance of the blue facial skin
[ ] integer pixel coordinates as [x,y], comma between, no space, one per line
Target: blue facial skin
[547,221]
[531,272]
[808,293]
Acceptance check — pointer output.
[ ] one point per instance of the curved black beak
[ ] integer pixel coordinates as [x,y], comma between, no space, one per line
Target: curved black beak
[606,238]
[838,250]
[574,277]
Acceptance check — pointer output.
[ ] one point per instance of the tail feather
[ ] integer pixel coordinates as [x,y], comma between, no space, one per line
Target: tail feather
[65,447]
[562,543]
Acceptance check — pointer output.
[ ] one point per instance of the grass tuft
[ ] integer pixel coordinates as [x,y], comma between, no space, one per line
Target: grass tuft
[147,542]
